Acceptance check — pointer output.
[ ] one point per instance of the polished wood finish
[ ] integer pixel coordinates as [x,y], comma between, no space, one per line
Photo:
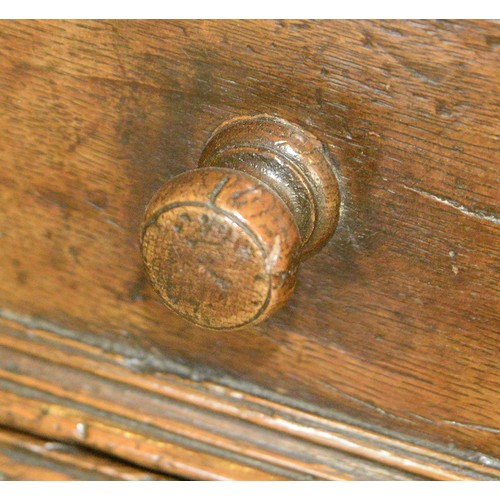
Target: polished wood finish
[221,244]
[218,257]
[24,457]
[71,391]
[290,161]
[392,327]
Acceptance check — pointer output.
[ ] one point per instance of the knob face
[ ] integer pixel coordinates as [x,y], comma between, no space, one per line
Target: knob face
[220,248]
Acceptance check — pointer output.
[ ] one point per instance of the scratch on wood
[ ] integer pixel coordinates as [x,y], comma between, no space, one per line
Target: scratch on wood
[274,254]
[363,402]
[473,426]
[477,214]
[93,205]
[112,222]
[218,189]
[465,425]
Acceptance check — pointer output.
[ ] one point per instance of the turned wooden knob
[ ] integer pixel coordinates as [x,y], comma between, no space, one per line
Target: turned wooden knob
[221,243]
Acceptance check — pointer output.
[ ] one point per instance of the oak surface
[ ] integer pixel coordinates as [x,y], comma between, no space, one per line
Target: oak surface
[220,248]
[24,457]
[394,324]
[222,243]
[83,394]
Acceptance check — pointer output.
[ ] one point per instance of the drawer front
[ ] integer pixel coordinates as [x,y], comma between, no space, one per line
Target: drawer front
[394,324]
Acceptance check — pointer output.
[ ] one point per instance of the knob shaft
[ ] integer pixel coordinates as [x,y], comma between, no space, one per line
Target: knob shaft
[221,243]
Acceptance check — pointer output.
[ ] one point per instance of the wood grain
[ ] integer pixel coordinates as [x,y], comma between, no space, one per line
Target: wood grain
[220,247]
[74,392]
[394,325]
[24,457]
[221,244]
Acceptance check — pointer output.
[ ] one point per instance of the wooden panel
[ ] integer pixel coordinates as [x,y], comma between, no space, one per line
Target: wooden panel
[71,391]
[395,323]
[24,457]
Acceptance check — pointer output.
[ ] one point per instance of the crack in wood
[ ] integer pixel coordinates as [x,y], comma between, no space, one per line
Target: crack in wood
[217,190]
[478,214]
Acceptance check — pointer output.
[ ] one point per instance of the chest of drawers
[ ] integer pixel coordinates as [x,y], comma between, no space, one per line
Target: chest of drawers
[383,364]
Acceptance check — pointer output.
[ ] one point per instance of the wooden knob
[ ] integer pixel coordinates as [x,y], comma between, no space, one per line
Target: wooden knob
[221,243]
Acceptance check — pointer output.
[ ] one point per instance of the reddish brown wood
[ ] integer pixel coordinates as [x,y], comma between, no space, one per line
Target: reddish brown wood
[290,161]
[75,392]
[24,457]
[213,257]
[221,244]
[394,324]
